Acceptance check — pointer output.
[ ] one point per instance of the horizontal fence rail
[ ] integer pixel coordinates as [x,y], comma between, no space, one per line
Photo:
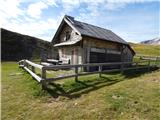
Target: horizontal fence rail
[26,65]
[147,57]
[42,78]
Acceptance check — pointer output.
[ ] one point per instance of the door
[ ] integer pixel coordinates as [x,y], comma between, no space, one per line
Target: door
[74,58]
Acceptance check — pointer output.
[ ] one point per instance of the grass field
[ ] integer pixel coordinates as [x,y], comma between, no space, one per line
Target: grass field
[134,95]
[131,96]
[152,50]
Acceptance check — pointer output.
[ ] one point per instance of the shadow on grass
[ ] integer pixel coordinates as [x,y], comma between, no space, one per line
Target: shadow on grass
[74,89]
[136,73]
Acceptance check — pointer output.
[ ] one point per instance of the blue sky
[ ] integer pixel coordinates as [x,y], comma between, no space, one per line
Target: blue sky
[133,20]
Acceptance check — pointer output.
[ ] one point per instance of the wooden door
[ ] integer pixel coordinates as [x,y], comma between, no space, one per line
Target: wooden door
[74,56]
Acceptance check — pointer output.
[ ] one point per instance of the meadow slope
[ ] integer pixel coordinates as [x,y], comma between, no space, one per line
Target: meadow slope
[131,96]
[151,50]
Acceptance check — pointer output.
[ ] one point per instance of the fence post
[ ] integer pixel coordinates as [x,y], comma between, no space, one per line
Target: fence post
[33,69]
[122,66]
[100,71]
[24,63]
[20,63]
[76,73]
[156,62]
[149,65]
[136,64]
[43,75]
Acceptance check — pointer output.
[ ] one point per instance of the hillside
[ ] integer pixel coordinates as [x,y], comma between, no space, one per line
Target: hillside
[15,46]
[155,41]
[152,50]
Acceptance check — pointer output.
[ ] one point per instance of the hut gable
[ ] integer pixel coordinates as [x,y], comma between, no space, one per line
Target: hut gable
[66,35]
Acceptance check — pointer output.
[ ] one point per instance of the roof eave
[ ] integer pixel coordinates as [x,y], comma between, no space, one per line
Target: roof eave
[58,30]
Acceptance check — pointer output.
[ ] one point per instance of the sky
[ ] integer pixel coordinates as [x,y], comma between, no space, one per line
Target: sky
[132,20]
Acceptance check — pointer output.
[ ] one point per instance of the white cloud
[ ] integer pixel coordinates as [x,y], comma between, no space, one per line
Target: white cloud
[96,8]
[34,10]
[71,2]
[114,6]
[130,1]
[11,8]
[111,4]
[34,28]
[69,5]
[14,16]
[117,4]
[51,2]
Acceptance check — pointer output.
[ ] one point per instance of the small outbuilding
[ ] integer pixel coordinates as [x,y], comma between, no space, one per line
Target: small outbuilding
[80,43]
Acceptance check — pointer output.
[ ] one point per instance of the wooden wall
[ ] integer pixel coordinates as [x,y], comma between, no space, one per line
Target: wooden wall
[101,46]
[62,35]
[68,52]
[127,55]
[92,42]
[74,53]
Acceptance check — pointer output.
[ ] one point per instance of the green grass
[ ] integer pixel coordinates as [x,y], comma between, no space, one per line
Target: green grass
[133,95]
[152,50]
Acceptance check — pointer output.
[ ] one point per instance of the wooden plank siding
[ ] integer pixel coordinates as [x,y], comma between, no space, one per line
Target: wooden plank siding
[112,51]
[97,43]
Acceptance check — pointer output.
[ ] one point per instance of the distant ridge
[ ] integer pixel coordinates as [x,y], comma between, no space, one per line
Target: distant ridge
[155,41]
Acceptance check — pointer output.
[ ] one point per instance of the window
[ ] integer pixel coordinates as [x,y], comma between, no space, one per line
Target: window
[67,36]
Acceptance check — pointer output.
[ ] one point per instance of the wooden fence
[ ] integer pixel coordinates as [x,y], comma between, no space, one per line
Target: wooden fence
[147,57]
[30,68]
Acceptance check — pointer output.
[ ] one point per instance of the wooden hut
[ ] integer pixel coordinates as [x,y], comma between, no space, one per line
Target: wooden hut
[80,43]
